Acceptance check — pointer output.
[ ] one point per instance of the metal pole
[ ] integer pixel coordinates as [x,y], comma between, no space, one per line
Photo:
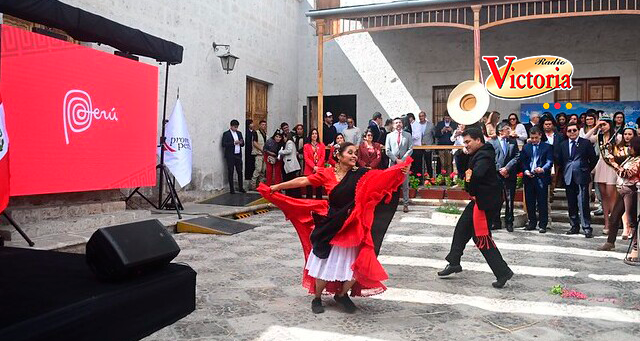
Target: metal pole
[320,33]
[162,137]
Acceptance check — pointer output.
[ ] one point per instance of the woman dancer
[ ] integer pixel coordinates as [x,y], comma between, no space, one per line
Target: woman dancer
[336,235]
[604,174]
[314,152]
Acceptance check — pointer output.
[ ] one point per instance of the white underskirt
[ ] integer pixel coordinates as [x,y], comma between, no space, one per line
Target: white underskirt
[336,267]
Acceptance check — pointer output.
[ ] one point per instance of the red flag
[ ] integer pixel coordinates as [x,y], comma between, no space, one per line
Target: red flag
[4,160]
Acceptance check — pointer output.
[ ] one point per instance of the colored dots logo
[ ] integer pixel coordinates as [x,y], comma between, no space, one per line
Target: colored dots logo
[557,106]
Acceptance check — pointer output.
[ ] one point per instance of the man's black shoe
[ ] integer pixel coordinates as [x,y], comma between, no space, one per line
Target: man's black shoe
[510,228]
[450,269]
[588,234]
[543,230]
[346,302]
[529,228]
[242,190]
[573,231]
[502,281]
[316,306]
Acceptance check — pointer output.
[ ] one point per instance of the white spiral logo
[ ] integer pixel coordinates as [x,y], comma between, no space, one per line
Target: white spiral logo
[78,113]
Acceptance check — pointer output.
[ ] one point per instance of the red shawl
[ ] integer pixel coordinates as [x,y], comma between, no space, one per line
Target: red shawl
[372,188]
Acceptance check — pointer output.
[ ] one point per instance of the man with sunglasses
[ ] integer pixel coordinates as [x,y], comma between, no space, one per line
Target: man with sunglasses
[577,158]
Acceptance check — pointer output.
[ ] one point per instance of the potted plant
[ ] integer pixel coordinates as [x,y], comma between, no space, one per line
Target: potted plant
[428,191]
[519,197]
[414,183]
[457,192]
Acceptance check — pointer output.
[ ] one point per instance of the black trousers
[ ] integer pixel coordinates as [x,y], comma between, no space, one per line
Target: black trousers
[249,166]
[578,200]
[318,191]
[536,193]
[461,235]
[292,192]
[509,193]
[234,162]
[416,165]
[428,155]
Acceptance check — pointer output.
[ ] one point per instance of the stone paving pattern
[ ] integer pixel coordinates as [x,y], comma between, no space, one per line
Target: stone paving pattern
[250,283]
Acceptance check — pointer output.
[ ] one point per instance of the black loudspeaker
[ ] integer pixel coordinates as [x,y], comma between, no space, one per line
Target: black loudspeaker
[122,251]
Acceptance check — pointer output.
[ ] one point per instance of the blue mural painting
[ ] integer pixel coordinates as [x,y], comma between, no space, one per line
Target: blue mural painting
[631,109]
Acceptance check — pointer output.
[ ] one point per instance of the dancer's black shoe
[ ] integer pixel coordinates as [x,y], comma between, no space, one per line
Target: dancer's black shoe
[346,303]
[316,306]
[449,269]
[502,280]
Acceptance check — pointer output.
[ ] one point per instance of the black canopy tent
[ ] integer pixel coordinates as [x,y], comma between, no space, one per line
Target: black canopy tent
[89,27]
[86,26]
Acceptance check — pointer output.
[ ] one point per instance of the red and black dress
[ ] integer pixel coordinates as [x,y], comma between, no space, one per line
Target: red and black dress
[336,234]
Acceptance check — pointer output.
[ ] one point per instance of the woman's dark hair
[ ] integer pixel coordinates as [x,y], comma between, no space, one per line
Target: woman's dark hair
[367,131]
[278,132]
[341,148]
[509,118]
[592,115]
[577,118]
[622,143]
[618,113]
[336,138]
[295,128]
[634,144]
[390,121]
[311,133]
[612,130]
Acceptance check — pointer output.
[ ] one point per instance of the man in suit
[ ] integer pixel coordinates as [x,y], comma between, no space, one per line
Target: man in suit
[536,160]
[232,143]
[506,149]
[554,139]
[375,125]
[443,131]
[249,158]
[482,184]
[399,147]
[534,119]
[328,130]
[577,158]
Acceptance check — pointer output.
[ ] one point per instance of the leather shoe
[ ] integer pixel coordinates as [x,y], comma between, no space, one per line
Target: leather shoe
[588,234]
[529,228]
[502,281]
[346,303]
[573,231]
[450,269]
[509,228]
[242,190]
[405,209]
[316,306]
[543,230]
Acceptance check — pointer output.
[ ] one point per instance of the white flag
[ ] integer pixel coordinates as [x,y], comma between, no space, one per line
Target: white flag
[177,146]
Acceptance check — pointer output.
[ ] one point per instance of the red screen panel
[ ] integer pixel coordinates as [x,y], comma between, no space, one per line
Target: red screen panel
[78,119]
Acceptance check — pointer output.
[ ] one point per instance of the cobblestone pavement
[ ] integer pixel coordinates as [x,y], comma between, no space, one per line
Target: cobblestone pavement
[248,288]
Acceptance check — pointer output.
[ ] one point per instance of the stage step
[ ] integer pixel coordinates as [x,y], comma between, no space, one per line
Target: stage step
[31,214]
[60,233]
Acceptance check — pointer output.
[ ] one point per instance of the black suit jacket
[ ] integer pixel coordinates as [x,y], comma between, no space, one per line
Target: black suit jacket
[577,169]
[484,184]
[444,139]
[510,160]
[375,130]
[249,149]
[228,144]
[328,134]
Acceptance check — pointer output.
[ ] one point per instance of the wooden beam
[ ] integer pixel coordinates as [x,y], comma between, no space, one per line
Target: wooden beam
[320,33]
[476,42]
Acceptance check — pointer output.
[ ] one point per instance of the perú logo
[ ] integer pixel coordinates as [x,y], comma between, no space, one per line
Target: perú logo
[78,113]
[529,77]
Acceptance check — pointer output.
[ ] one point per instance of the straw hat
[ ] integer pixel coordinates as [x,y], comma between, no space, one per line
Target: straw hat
[468,102]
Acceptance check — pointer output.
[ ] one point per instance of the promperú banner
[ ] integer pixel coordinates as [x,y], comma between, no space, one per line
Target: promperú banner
[80,119]
[177,146]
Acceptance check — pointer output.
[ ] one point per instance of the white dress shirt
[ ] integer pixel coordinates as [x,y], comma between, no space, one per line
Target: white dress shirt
[417,130]
[235,138]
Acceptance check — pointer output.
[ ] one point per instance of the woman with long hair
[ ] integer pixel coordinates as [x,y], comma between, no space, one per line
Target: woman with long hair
[299,139]
[369,152]
[490,125]
[314,155]
[628,171]
[273,164]
[561,123]
[339,140]
[590,120]
[340,246]
[518,131]
[618,122]
[604,174]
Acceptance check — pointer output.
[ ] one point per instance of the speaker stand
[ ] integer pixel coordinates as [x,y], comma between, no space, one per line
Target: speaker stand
[17,227]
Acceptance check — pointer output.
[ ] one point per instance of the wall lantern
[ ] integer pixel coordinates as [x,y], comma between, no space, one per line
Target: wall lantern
[228,60]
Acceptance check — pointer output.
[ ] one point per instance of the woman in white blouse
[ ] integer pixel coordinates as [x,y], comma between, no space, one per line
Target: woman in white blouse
[518,131]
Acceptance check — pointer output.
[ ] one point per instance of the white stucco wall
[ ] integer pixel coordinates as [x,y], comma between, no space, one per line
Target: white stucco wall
[262,33]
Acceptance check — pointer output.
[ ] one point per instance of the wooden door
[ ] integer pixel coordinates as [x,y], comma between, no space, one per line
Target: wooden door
[256,100]
[591,90]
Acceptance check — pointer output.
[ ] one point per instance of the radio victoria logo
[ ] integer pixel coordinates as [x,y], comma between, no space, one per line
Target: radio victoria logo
[529,77]
[78,113]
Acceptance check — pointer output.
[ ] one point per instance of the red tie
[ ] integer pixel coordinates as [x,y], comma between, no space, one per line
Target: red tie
[399,133]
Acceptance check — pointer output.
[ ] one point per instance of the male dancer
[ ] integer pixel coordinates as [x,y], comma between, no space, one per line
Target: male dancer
[482,184]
